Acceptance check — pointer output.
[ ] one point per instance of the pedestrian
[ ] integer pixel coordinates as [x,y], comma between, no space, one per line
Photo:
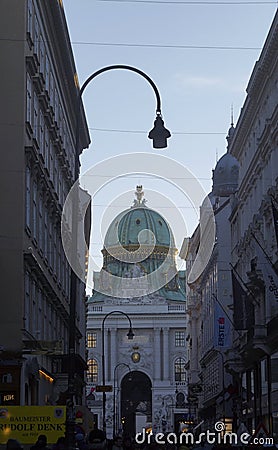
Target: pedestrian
[41,443]
[96,440]
[61,444]
[118,443]
[80,442]
[184,447]
[13,444]
[127,443]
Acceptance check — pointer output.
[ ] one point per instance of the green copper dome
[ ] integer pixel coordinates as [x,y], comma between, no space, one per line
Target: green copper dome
[139,225]
[139,256]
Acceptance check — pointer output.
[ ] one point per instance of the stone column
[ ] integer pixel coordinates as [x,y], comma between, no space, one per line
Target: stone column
[166,353]
[157,353]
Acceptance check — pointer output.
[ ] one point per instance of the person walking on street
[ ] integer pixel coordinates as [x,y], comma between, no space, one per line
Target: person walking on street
[41,443]
[61,444]
[96,440]
[118,443]
[13,444]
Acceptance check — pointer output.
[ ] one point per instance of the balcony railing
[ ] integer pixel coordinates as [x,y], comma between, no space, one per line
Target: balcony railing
[176,308]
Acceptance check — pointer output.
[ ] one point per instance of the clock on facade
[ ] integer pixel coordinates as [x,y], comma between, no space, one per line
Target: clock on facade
[135,357]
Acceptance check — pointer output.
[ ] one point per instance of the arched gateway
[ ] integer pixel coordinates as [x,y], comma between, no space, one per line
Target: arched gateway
[136,402]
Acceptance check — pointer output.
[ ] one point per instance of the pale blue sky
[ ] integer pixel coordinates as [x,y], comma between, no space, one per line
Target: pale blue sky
[197,85]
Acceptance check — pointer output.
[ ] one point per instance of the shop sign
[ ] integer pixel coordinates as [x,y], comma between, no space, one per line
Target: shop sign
[26,423]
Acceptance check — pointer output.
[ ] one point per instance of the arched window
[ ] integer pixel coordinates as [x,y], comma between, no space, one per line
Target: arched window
[92,373]
[180,372]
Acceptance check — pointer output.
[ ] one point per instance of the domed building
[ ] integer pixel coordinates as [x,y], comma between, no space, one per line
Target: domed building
[225,174]
[209,299]
[138,291]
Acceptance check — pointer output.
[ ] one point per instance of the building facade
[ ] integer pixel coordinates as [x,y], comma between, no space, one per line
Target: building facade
[241,276]
[254,244]
[210,301]
[148,373]
[39,99]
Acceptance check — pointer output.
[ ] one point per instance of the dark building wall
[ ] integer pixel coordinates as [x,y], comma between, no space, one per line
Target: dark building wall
[39,98]
[12,121]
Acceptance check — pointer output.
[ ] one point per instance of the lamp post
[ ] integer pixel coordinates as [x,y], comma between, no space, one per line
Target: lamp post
[130,335]
[223,380]
[159,134]
[114,396]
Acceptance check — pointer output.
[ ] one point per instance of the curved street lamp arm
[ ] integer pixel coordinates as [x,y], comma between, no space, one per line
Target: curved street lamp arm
[116,312]
[121,364]
[131,68]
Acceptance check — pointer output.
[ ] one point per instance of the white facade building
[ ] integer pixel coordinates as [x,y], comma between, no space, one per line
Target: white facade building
[148,373]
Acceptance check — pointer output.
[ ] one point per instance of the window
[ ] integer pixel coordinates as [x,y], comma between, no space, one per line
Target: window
[51,88]
[30,18]
[34,210]
[56,105]
[180,373]
[59,259]
[36,115]
[67,279]
[41,134]
[46,148]
[50,244]
[91,340]
[36,36]
[55,250]
[41,234]
[27,301]
[42,54]
[40,312]
[28,198]
[56,174]
[32,322]
[92,373]
[47,73]
[51,161]
[45,242]
[179,338]
[274,370]
[63,273]
[28,99]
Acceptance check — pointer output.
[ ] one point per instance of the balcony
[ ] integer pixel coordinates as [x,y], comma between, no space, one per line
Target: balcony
[60,365]
[37,347]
